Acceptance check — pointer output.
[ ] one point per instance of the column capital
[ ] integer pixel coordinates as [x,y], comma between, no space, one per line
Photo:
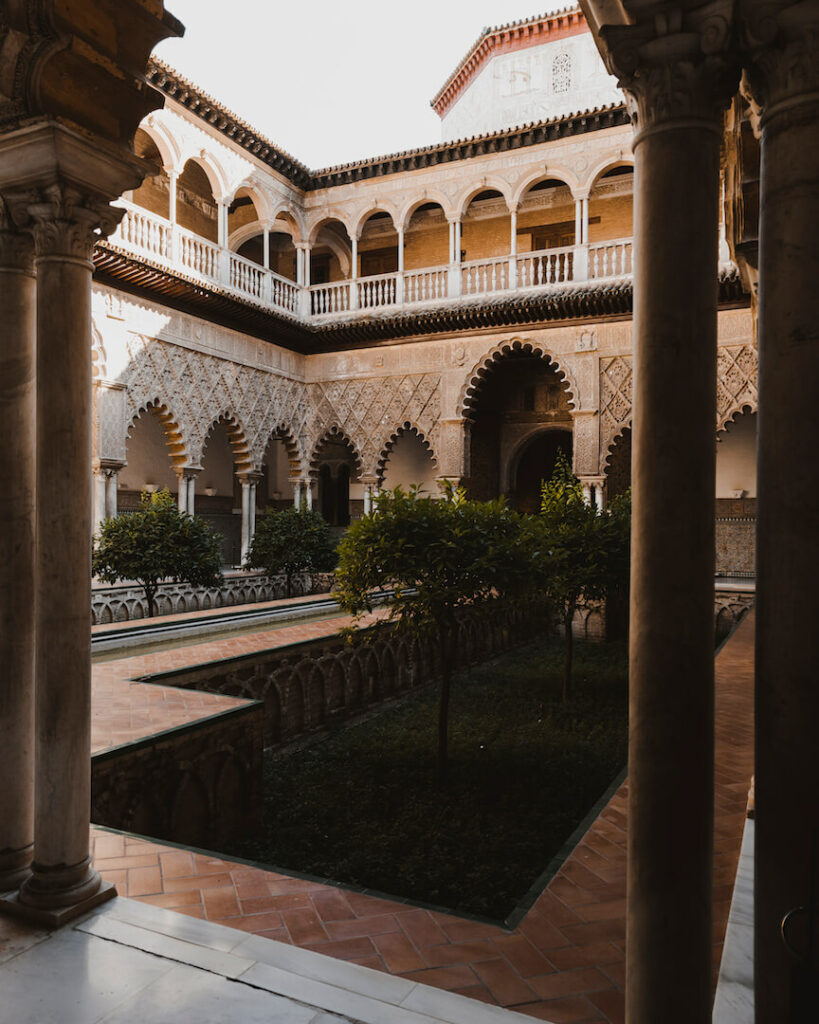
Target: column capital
[188,472]
[251,477]
[781,43]
[676,65]
[66,222]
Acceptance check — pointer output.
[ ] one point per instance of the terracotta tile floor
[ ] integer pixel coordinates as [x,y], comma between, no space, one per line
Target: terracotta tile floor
[124,710]
[563,963]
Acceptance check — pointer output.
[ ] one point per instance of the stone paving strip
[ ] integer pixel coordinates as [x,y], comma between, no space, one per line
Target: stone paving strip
[564,962]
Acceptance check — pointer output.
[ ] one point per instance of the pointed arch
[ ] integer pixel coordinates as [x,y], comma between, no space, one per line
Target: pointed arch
[470,392]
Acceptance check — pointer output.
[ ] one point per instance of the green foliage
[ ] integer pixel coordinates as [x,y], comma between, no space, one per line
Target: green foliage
[290,542]
[584,552]
[442,556]
[155,544]
[525,770]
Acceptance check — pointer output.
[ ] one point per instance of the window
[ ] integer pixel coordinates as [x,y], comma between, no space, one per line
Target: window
[562,73]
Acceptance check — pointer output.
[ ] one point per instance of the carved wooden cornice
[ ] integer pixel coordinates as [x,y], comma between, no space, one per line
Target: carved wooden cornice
[81,63]
[572,303]
[183,92]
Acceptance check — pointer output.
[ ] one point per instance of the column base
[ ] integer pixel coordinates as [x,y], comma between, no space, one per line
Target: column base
[15,867]
[55,917]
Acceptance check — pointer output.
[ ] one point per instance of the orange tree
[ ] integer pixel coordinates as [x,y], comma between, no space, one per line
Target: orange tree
[583,551]
[443,557]
[155,544]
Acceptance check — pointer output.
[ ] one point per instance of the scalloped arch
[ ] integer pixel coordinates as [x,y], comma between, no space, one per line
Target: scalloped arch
[724,421]
[295,456]
[612,444]
[177,447]
[237,437]
[406,428]
[468,397]
[333,433]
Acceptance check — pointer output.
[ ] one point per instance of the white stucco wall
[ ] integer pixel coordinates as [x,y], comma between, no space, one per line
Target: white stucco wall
[410,463]
[515,88]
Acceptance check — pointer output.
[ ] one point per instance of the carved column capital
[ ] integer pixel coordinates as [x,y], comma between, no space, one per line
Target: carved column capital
[781,44]
[677,66]
[66,223]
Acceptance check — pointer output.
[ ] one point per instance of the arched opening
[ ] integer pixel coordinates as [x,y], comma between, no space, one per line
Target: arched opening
[486,227]
[521,395]
[546,216]
[340,494]
[735,525]
[243,211]
[330,253]
[618,473]
[611,205]
[409,462]
[218,492]
[275,489]
[736,458]
[378,246]
[154,192]
[534,464]
[196,207]
[149,463]
[426,237]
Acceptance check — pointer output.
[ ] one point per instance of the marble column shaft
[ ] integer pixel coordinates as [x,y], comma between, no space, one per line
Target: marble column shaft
[62,873]
[17,531]
[787,695]
[671,718]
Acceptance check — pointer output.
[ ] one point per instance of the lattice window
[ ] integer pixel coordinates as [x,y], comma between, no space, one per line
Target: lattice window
[562,73]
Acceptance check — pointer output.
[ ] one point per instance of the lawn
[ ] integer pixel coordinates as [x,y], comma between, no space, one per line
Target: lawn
[361,807]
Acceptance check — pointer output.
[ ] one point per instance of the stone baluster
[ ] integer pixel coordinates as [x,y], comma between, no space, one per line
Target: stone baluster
[677,84]
[782,70]
[17,526]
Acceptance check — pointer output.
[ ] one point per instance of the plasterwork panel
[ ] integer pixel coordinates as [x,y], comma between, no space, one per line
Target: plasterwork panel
[737,381]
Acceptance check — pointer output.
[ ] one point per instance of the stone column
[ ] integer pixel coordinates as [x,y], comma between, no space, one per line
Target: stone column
[17,522]
[105,492]
[513,249]
[353,285]
[187,488]
[249,483]
[676,96]
[62,883]
[308,493]
[296,493]
[111,483]
[783,71]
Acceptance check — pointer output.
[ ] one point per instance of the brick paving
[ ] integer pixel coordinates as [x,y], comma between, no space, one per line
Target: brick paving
[123,710]
[564,963]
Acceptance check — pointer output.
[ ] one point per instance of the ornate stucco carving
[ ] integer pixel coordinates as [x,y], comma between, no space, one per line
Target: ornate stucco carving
[737,381]
[616,375]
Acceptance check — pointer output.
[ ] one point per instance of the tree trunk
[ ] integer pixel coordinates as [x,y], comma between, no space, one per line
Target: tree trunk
[568,619]
[149,594]
[443,711]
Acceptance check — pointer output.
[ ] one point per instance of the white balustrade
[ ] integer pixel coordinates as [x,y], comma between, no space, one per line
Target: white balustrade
[197,256]
[246,277]
[143,233]
[479,277]
[374,292]
[330,298]
[425,285]
[547,266]
[610,259]
[147,235]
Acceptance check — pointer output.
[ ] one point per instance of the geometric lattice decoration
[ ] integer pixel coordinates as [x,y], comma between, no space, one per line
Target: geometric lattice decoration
[369,411]
[615,398]
[737,381]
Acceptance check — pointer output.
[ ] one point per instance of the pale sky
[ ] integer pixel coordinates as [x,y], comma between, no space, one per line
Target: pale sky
[333,80]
